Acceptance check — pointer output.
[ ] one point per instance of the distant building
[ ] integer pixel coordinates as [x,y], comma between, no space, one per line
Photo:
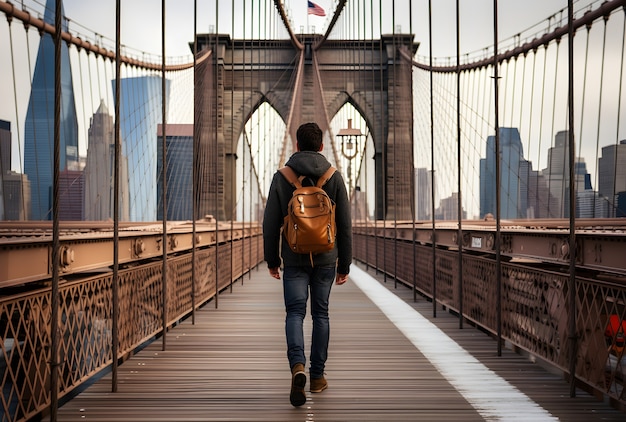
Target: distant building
[100,171]
[513,176]
[71,195]
[423,195]
[557,176]
[5,161]
[448,208]
[538,195]
[179,172]
[16,196]
[140,113]
[5,147]
[612,177]
[39,122]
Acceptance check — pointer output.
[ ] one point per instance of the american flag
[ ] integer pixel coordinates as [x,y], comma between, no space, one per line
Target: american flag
[315,9]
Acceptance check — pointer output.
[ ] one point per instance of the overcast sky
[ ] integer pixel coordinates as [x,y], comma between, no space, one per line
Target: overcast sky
[141,20]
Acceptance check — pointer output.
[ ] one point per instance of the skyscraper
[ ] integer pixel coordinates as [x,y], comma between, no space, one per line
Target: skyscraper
[140,113]
[423,195]
[5,147]
[612,176]
[5,162]
[71,195]
[100,170]
[557,176]
[179,172]
[39,124]
[16,196]
[512,168]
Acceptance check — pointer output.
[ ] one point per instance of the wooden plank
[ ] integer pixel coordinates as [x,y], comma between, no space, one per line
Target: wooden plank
[231,365]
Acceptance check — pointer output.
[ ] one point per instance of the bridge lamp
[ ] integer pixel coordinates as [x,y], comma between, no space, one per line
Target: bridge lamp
[349,138]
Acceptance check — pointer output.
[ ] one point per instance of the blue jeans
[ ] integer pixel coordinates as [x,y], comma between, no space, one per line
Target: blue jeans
[297,282]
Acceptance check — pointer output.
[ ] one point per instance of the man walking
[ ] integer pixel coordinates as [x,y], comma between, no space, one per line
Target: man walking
[304,275]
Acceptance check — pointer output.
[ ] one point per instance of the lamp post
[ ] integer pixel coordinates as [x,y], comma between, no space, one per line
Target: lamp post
[349,138]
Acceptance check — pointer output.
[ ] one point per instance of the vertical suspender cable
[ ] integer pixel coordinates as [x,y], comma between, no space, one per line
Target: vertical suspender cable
[458,140]
[164,178]
[233,210]
[116,200]
[396,203]
[17,119]
[243,150]
[217,150]
[619,113]
[411,131]
[383,147]
[432,158]
[496,101]
[56,244]
[258,131]
[612,203]
[367,260]
[572,205]
[582,105]
[194,173]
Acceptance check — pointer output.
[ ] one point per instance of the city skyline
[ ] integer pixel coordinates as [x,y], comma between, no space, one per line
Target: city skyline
[84,69]
[39,123]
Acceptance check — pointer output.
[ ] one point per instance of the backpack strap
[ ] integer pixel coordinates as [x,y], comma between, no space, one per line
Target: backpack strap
[326,176]
[291,176]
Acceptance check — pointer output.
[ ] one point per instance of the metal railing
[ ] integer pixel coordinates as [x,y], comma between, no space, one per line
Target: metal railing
[86,309]
[534,308]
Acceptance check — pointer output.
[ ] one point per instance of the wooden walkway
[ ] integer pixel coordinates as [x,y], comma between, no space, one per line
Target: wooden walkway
[231,366]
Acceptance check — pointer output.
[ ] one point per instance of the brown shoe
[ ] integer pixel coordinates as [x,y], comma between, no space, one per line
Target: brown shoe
[318,385]
[297,397]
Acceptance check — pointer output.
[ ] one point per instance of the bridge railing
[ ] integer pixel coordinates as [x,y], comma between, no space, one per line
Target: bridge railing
[86,317]
[530,309]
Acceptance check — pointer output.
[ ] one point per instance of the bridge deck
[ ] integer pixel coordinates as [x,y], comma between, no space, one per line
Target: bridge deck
[231,365]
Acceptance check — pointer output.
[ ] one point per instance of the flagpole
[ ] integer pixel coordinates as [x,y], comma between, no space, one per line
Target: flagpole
[308,31]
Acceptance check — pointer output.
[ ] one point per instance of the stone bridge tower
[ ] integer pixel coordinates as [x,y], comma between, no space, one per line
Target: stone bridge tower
[308,83]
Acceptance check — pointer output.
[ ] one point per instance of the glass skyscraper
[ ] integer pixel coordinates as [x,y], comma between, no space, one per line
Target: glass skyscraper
[511,163]
[140,113]
[39,124]
[178,172]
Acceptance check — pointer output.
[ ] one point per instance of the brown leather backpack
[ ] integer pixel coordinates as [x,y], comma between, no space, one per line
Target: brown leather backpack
[309,227]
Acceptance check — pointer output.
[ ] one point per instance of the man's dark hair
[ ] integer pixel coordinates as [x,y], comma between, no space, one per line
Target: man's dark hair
[309,137]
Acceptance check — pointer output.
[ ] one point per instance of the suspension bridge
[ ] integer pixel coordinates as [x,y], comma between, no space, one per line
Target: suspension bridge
[488,189]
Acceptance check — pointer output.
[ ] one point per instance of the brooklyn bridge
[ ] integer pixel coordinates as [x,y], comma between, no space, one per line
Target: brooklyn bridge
[483,147]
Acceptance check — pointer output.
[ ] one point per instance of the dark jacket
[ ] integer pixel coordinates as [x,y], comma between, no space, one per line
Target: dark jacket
[311,164]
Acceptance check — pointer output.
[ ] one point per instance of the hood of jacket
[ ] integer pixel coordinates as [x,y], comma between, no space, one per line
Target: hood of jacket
[308,163]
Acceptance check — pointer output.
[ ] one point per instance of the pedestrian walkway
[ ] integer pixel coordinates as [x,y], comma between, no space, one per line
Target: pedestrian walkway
[388,361]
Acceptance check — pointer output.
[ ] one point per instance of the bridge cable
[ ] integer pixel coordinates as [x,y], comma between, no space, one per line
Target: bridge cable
[19,142]
[621,211]
[164,181]
[116,200]
[383,142]
[233,143]
[561,209]
[432,160]
[56,241]
[412,184]
[573,294]
[396,203]
[194,173]
[582,104]
[498,151]
[612,204]
[459,201]
[216,156]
